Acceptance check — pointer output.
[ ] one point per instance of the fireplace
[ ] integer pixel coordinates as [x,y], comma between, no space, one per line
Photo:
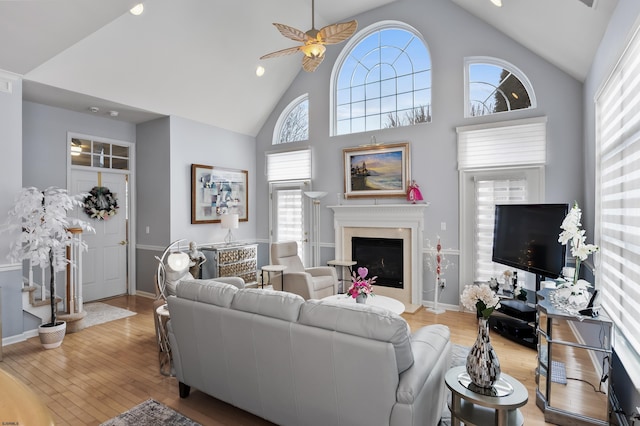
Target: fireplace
[403,222]
[383,257]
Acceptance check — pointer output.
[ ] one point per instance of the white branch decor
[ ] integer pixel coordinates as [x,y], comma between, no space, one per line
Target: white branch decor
[41,217]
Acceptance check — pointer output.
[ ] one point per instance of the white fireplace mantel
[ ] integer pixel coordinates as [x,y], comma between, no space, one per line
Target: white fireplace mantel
[408,217]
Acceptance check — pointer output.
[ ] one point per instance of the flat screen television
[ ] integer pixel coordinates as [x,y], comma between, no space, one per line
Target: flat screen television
[525,237]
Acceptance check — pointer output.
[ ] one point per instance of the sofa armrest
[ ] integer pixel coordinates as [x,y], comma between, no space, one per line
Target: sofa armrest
[420,396]
[318,271]
[295,282]
[429,345]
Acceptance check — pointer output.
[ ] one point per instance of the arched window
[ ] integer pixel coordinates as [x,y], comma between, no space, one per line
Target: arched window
[293,123]
[381,79]
[493,86]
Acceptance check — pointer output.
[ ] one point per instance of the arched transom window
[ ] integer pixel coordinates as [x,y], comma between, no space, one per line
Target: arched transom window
[494,86]
[293,123]
[382,79]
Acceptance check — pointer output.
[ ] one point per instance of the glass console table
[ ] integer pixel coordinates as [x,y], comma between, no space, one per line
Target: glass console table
[574,359]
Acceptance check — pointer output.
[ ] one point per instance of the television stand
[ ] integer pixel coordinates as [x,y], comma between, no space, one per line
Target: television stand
[516,321]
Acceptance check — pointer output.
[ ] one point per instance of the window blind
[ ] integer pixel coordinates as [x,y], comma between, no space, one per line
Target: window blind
[514,143]
[488,193]
[289,207]
[289,165]
[618,202]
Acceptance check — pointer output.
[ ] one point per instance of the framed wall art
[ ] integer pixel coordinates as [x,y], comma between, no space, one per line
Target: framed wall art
[376,171]
[216,191]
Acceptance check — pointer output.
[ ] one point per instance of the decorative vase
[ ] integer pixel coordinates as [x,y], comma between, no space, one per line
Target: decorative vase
[483,365]
[51,336]
[361,298]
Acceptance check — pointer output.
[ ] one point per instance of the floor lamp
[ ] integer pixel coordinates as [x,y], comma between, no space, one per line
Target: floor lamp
[315,223]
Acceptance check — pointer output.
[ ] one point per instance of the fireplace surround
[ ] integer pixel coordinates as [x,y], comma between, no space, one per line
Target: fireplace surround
[397,221]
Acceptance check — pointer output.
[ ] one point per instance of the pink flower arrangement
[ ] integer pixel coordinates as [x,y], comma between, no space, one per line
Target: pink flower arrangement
[361,285]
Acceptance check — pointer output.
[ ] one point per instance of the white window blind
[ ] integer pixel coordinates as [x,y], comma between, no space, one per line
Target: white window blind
[618,203]
[514,143]
[490,192]
[290,219]
[289,165]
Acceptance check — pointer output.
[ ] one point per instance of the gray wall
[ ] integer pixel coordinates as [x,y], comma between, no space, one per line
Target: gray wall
[45,140]
[166,149]
[625,18]
[451,35]
[10,184]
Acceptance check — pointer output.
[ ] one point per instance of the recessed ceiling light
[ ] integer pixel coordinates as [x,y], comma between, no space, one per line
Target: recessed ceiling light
[497,2]
[137,9]
[113,113]
[260,71]
[94,109]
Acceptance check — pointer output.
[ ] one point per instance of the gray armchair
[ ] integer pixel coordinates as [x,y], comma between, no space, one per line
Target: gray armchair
[310,283]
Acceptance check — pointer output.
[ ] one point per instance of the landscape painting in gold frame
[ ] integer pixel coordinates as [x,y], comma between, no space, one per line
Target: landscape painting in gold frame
[376,171]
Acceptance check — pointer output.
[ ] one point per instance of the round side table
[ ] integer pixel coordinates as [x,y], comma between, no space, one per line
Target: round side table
[273,268]
[342,264]
[496,406]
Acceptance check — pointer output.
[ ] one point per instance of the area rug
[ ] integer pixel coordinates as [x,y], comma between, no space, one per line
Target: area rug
[99,313]
[458,357]
[150,413]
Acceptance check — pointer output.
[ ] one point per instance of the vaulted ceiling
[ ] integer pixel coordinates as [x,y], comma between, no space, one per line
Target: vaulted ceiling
[197,58]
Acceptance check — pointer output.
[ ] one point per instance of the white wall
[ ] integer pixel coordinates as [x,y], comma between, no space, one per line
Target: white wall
[196,143]
[451,34]
[10,184]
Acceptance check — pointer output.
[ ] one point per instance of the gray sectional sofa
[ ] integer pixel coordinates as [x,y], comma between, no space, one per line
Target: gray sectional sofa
[306,363]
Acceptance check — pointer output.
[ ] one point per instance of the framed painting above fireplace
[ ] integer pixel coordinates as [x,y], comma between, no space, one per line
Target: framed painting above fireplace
[376,170]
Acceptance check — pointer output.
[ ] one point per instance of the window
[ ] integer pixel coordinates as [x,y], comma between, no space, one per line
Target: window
[288,174]
[618,204]
[105,155]
[381,79]
[489,191]
[494,86]
[489,175]
[293,123]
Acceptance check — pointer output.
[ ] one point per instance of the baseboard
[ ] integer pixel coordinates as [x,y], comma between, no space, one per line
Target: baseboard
[145,294]
[441,306]
[19,337]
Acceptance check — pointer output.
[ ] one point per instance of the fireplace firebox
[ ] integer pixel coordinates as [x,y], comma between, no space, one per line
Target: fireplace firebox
[383,257]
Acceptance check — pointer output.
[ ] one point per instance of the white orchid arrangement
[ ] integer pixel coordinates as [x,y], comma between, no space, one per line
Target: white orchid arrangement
[481,299]
[573,235]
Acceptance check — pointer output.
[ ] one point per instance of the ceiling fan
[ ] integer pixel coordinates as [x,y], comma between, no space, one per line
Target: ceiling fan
[313,41]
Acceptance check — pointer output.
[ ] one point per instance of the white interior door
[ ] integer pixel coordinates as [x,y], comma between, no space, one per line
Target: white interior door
[104,265]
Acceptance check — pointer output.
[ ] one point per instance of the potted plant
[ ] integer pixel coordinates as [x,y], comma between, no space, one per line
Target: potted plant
[41,217]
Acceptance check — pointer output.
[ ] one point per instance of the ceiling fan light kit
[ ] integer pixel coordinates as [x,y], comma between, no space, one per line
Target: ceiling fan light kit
[313,41]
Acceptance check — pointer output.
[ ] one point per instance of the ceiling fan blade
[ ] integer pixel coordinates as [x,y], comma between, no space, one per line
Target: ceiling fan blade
[292,33]
[336,33]
[310,63]
[283,52]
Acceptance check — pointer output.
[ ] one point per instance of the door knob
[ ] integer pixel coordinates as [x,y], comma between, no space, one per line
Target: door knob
[123,243]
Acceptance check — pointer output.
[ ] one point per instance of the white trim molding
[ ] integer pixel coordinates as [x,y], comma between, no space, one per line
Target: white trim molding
[6,81]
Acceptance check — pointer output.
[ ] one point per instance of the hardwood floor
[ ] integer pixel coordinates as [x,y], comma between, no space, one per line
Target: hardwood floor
[106,369]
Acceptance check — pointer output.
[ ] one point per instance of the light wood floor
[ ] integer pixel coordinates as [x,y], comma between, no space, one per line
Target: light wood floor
[109,368]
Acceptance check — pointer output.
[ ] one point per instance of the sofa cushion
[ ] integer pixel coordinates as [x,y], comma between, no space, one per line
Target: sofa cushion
[274,304]
[362,320]
[207,291]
